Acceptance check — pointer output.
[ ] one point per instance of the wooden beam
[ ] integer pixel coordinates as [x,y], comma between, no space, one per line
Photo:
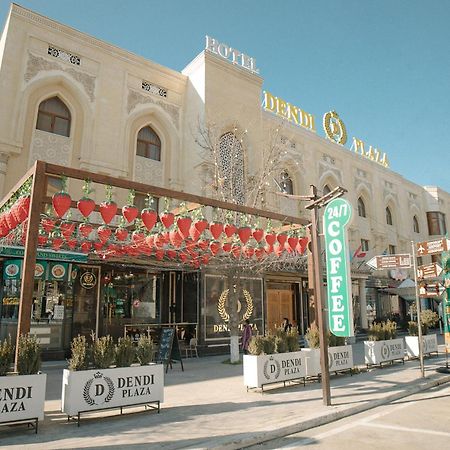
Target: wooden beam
[53,169]
[38,188]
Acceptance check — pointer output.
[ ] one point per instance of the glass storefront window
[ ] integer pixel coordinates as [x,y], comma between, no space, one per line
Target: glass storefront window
[216,306]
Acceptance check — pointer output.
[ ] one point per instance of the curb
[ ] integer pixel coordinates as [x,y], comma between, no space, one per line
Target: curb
[265,436]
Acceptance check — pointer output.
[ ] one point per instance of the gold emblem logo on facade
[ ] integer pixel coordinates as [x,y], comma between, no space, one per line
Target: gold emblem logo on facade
[334,127]
[223,298]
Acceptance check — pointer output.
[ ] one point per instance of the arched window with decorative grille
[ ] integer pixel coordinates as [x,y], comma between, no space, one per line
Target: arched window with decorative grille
[361,207]
[416,227]
[148,144]
[389,220]
[231,168]
[286,185]
[54,117]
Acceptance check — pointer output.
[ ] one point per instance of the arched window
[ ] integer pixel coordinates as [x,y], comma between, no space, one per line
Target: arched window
[231,168]
[326,189]
[388,216]
[416,225]
[361,208]
[286,185]
[148,144]
[54,117]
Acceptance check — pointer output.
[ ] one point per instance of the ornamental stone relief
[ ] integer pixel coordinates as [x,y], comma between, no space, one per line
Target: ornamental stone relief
[358,183]
[134,99]
[51,148]
[148,171]
[36,64]
[326,168]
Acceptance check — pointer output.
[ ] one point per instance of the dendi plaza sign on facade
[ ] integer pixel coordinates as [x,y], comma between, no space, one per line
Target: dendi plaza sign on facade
[336,218]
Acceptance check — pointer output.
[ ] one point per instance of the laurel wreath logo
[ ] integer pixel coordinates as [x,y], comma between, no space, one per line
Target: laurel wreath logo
[277,370]
[334,127]
[223,298]
[385,351]
[86,391]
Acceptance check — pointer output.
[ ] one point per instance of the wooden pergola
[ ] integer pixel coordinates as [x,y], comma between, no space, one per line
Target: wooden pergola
[39,175]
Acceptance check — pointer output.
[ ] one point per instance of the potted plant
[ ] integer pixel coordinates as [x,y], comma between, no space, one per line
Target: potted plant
[428,320]
[273,358]
[23,392]
[104,375]
[383,344]
[340,355]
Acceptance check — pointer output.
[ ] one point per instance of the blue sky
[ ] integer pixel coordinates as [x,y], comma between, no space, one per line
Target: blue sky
[383,65]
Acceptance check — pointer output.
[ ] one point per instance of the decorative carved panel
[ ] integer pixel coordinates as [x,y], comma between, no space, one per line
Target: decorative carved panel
[148,171]
[51,148]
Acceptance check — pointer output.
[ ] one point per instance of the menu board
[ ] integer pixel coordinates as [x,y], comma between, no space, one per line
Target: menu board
[169,348]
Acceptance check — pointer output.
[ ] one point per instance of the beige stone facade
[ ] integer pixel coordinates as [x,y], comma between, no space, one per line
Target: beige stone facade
[112,94]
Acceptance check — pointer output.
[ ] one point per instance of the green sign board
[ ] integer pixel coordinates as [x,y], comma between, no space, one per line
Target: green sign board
[340,312]
[51,255]
[446,298]
[12,269]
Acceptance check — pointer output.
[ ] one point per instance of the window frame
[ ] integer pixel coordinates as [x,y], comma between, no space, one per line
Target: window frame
[149,145]
[416,226]
[53,117]
[285,182]
[389,218]
[361,207]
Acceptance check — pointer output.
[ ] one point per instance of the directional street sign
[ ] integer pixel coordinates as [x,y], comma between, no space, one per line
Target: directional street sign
[432,247]
[429,271]
[431,290]
[403,261]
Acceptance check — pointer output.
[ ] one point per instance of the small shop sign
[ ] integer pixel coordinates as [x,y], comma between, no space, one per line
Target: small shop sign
[88,280]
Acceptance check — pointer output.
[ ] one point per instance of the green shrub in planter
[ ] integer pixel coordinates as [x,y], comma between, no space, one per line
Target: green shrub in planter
[103,354]
[144,352]
[390,329]
[413,329]
[312,336]
[256,345]
[269,345]
[6,355]
[335,341]
[376,332]
[292,341]
[80,354]
[428,319]
[29,355]
[125,352]
[280,344]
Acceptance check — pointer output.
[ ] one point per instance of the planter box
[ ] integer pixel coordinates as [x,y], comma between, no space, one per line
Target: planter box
[266,369]
[22,398]
[90,390]
[339,358]
[429,345]
[378,352]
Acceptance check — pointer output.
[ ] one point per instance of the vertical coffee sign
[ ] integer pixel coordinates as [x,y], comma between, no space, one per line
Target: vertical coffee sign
[340,314]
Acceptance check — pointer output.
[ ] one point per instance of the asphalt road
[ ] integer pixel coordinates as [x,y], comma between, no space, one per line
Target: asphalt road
[416,422]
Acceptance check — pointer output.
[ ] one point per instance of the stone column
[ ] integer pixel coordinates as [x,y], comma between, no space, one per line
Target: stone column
[363,304]
[3,167]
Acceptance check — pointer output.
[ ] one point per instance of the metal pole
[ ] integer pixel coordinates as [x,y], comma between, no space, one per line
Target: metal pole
[419,325]
[318,282]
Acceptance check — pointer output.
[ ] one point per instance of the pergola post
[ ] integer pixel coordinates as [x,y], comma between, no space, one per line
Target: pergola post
[38,191]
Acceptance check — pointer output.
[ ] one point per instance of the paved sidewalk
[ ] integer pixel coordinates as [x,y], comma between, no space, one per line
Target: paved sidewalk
[207,406]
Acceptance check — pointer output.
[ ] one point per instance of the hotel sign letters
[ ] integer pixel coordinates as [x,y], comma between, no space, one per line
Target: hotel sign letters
[336,218]
[231,54]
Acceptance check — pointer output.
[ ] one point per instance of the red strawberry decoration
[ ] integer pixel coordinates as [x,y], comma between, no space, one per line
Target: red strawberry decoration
[184,223]
[292,241]
[121,233]
[149,218]
[278,249]
[72,243]
[61,202]
[203,244]
[259,252]
[67,229]
[201,225]
[24,208]
[271,238]
[137,236]
[249,251]
[104,233]
[281,238]
[159,254]
[129,212]
[167,219]
[236,250]
[258,234]
[302,243]
[215,247]
[86,205]
[216,229]
[85,229]
[48,224]
[194,233]
[42,239]
[108,210]
[150,240]
[230,229]
[11,220]
[268,249]
[244,234]
[226,247]
[86,246]
[57,240]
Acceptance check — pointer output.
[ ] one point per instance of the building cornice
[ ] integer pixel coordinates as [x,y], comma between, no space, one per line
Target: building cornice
[37,19]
